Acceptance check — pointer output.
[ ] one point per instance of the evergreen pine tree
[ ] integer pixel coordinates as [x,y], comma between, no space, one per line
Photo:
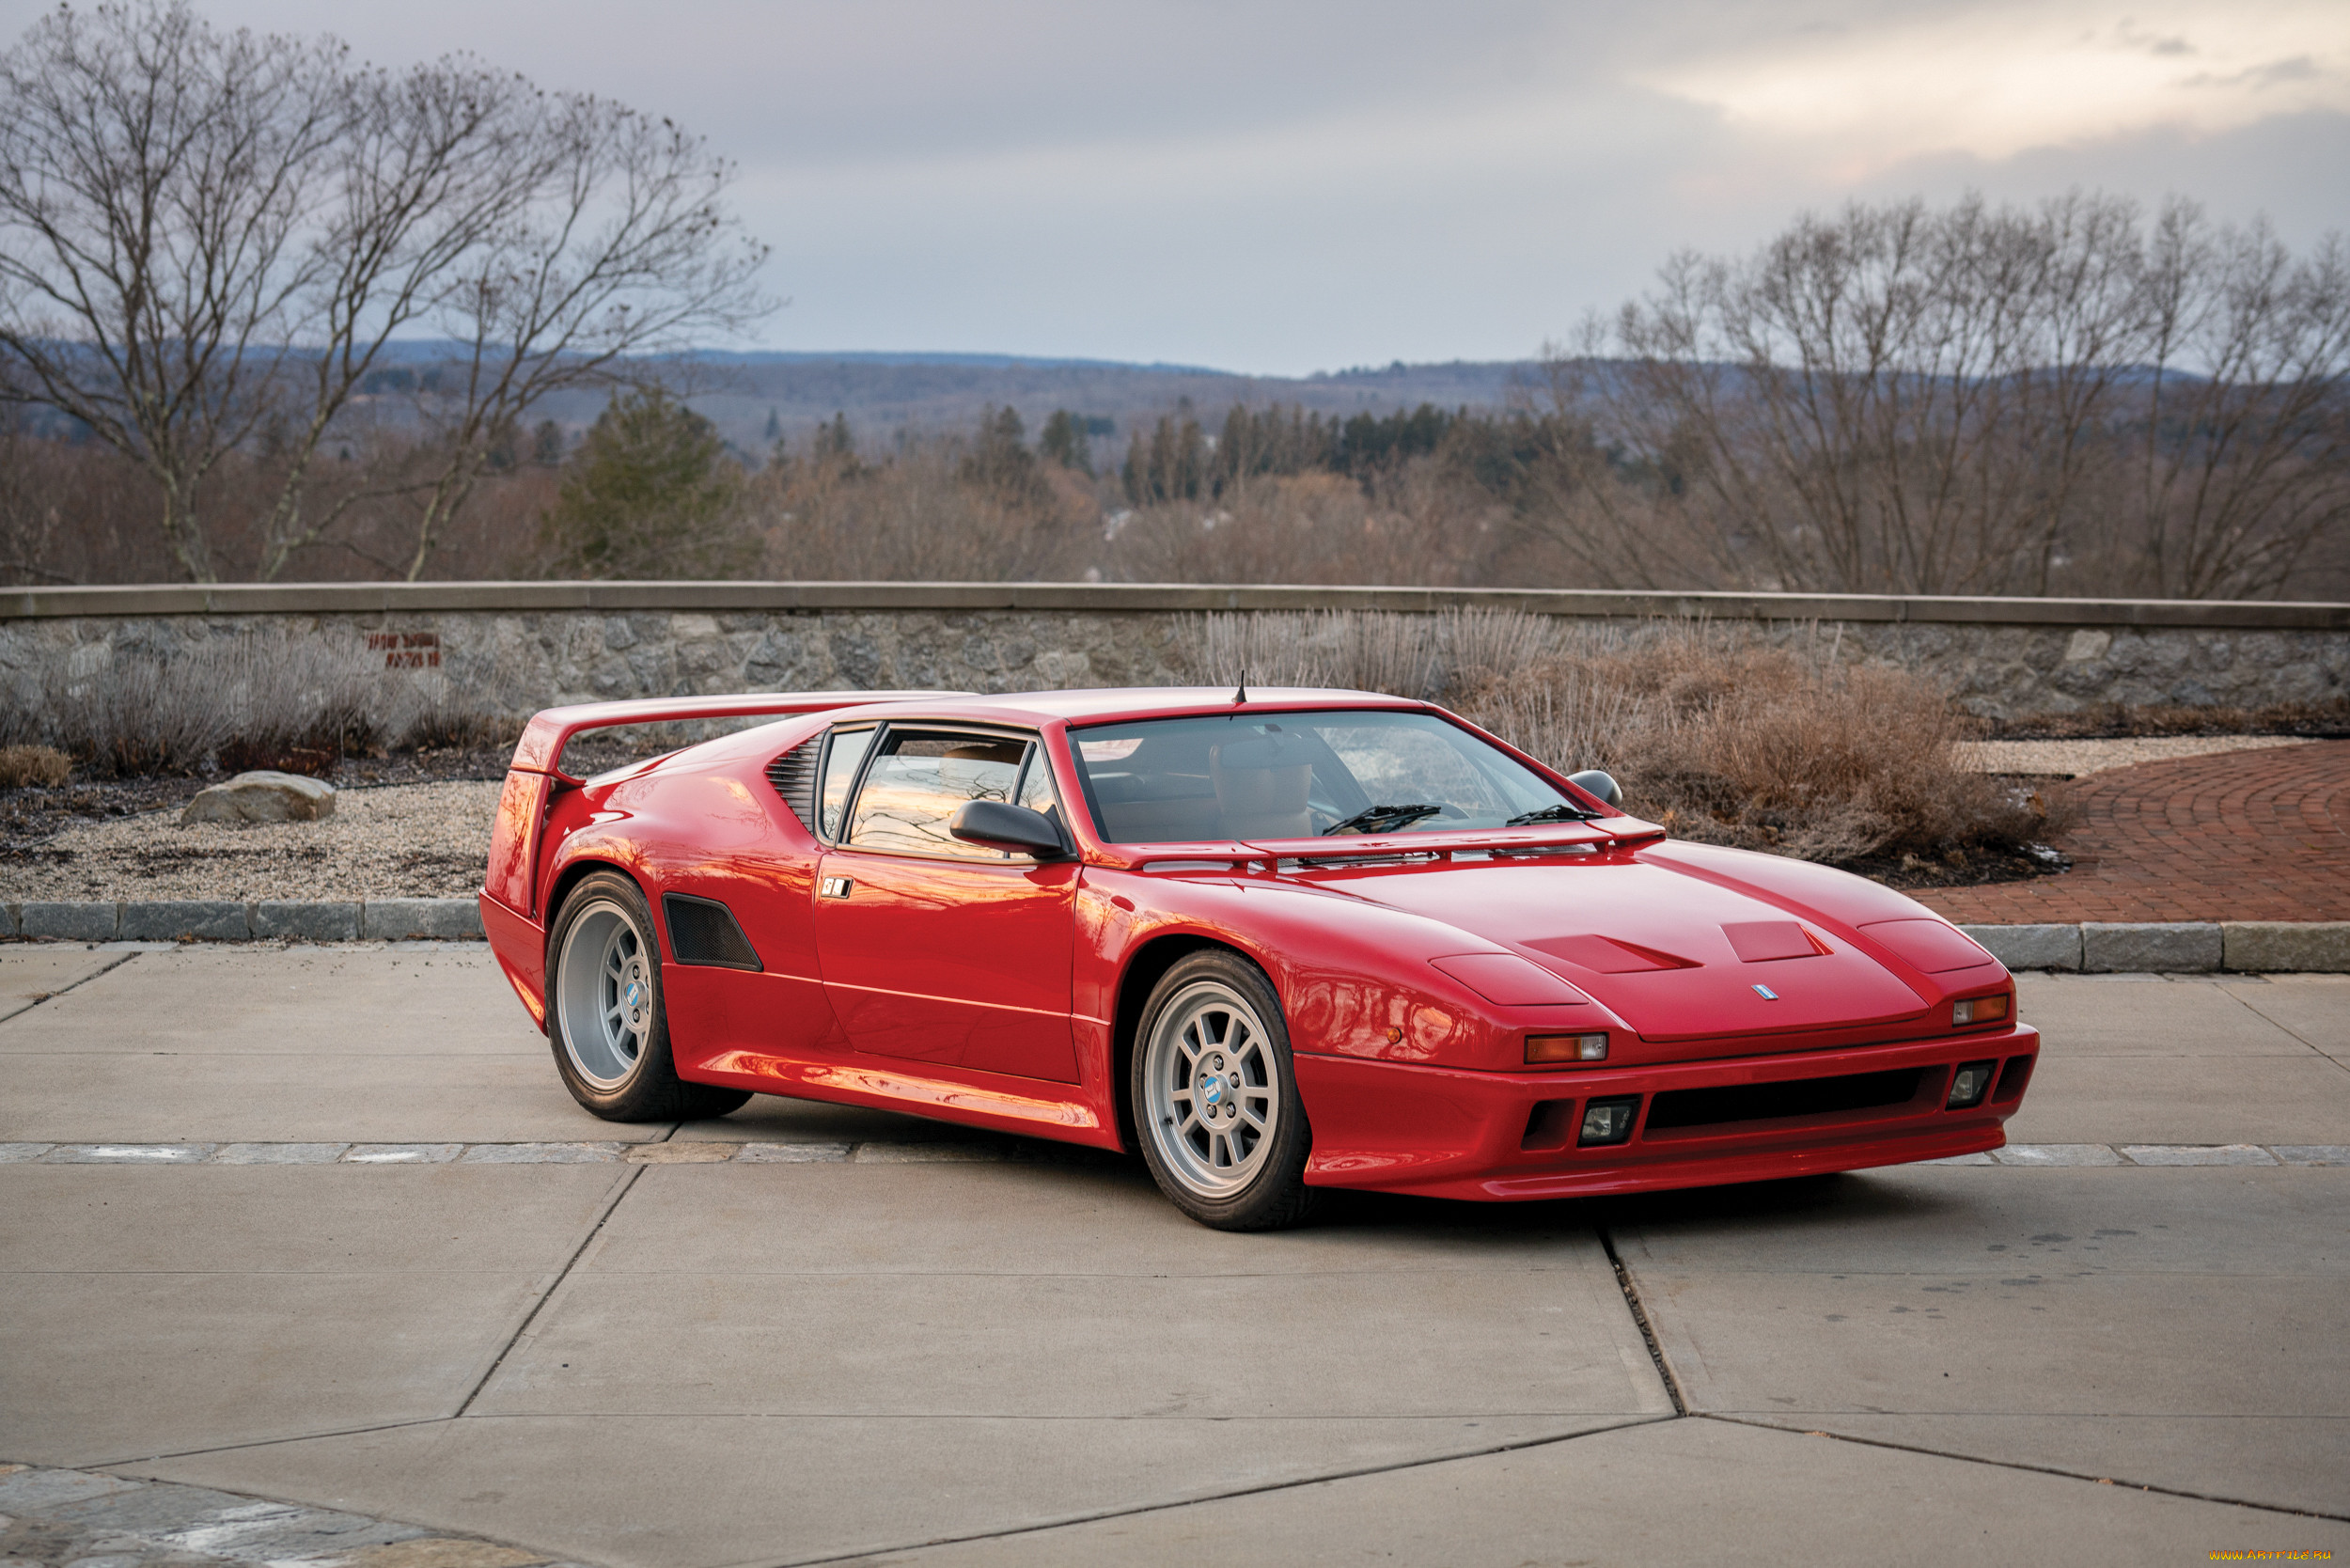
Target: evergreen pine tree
[648,494]
[1065,441]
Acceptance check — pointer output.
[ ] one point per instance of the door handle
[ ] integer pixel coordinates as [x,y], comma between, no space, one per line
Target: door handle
[835,886]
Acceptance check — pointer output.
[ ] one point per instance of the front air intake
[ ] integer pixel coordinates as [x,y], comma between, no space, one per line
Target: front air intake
[704,931]
[1782,1100]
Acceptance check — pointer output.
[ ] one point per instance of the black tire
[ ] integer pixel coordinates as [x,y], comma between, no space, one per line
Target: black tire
[1214,1094]
[612,1042]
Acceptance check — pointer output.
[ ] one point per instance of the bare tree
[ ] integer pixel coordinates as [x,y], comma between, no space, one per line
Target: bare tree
[1968,401]
[211,242]
[2241,457]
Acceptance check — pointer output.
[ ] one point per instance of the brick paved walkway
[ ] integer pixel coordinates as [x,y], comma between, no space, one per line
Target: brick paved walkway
[2245,836]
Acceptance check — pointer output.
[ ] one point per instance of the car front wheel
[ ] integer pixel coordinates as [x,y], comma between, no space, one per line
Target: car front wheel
[605,1016]
[1214,1097]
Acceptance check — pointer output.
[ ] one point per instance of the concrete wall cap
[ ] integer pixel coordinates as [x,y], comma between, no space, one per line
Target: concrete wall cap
[1118,598]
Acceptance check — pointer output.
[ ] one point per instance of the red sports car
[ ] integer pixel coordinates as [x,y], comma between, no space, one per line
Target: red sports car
[1277,941]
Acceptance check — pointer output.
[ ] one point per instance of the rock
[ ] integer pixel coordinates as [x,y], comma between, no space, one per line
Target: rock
[262,797]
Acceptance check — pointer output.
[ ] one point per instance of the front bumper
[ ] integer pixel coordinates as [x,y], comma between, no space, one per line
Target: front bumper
[1503,1136]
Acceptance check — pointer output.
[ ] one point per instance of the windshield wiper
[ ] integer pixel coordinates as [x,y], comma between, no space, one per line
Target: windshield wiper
[1382,819]
[1562,812]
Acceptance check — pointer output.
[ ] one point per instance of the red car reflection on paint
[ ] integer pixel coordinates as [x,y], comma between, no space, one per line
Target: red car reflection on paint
[1277,942]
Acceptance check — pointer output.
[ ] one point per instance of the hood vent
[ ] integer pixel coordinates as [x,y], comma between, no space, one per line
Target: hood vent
[1769,941]
[1606,955]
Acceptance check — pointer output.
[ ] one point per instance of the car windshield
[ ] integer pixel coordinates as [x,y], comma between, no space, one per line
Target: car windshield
[1302,776]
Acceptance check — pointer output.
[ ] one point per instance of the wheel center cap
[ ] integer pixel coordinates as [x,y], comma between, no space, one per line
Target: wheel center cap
[1212,1089]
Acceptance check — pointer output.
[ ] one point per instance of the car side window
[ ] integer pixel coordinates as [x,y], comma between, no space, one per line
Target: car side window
[919,779]
[1036,787]
[842,759]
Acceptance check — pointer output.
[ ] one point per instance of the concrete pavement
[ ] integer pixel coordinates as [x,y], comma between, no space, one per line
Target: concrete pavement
[909,1356]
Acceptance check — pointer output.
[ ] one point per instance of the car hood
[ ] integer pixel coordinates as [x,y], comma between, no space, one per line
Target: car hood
[1678,946]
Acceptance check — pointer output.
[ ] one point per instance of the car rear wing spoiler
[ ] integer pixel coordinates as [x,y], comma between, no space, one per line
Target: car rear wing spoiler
[536,775]
[540,749]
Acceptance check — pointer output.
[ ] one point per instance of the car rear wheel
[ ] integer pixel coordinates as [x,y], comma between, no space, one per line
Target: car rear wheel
[1214,1097]
[605,1016]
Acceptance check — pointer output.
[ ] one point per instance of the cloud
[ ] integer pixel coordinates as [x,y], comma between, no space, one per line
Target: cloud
[1991,80]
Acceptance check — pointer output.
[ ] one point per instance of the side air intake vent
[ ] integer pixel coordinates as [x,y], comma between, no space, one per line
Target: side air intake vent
[704,931]
[793,774]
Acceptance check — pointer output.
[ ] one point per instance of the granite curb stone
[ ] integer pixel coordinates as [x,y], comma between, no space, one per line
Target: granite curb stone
[185,920]
[2133,947]
[2218,1153]
[304,922]
[69,922]
[963,1151]
[2286,946]
[2031,947]
[2240,946]
[394,920]
[224,921]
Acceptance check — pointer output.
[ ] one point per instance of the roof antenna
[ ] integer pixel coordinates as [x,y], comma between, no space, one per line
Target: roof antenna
[1240,696]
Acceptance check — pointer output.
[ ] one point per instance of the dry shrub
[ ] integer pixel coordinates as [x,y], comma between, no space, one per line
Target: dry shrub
[271,699]
[20,765]
[275,699]
[1721,739]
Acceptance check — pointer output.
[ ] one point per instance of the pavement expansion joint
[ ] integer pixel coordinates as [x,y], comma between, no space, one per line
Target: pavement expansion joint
[1293,1483]
[662,1151]
[521,1327]
[1727,1419]
[120,960]
[1625,1283]
[158,1457]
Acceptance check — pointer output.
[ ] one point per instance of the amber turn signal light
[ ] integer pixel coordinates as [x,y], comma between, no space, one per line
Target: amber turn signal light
[1541,1049]
[1979,1009]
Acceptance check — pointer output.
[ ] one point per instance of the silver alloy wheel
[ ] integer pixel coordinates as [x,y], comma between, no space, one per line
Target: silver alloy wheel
[605,1006]
[1214,1091]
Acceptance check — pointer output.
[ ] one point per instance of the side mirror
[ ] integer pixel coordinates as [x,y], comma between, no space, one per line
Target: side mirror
[1003,826]
[1592,781]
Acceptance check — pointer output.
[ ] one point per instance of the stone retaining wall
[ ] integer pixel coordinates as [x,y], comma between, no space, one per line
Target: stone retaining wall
[547,643]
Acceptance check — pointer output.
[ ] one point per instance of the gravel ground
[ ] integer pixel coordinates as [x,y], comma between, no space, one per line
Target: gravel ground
[2079,759]
[432,841]
[406,840]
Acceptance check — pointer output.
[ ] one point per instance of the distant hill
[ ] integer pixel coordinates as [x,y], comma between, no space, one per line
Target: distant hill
[884,394]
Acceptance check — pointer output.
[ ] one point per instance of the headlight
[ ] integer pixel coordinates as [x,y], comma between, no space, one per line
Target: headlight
[1607,1121]
[1970,1084]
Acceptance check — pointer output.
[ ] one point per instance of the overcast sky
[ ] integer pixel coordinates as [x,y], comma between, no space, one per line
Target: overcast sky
[1283,187]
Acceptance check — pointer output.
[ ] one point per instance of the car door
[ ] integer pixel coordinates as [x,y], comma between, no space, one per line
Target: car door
[932,950]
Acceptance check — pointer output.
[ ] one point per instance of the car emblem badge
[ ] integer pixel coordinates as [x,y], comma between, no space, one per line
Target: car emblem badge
[632,993]
[1766,993]
[1213,1091]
